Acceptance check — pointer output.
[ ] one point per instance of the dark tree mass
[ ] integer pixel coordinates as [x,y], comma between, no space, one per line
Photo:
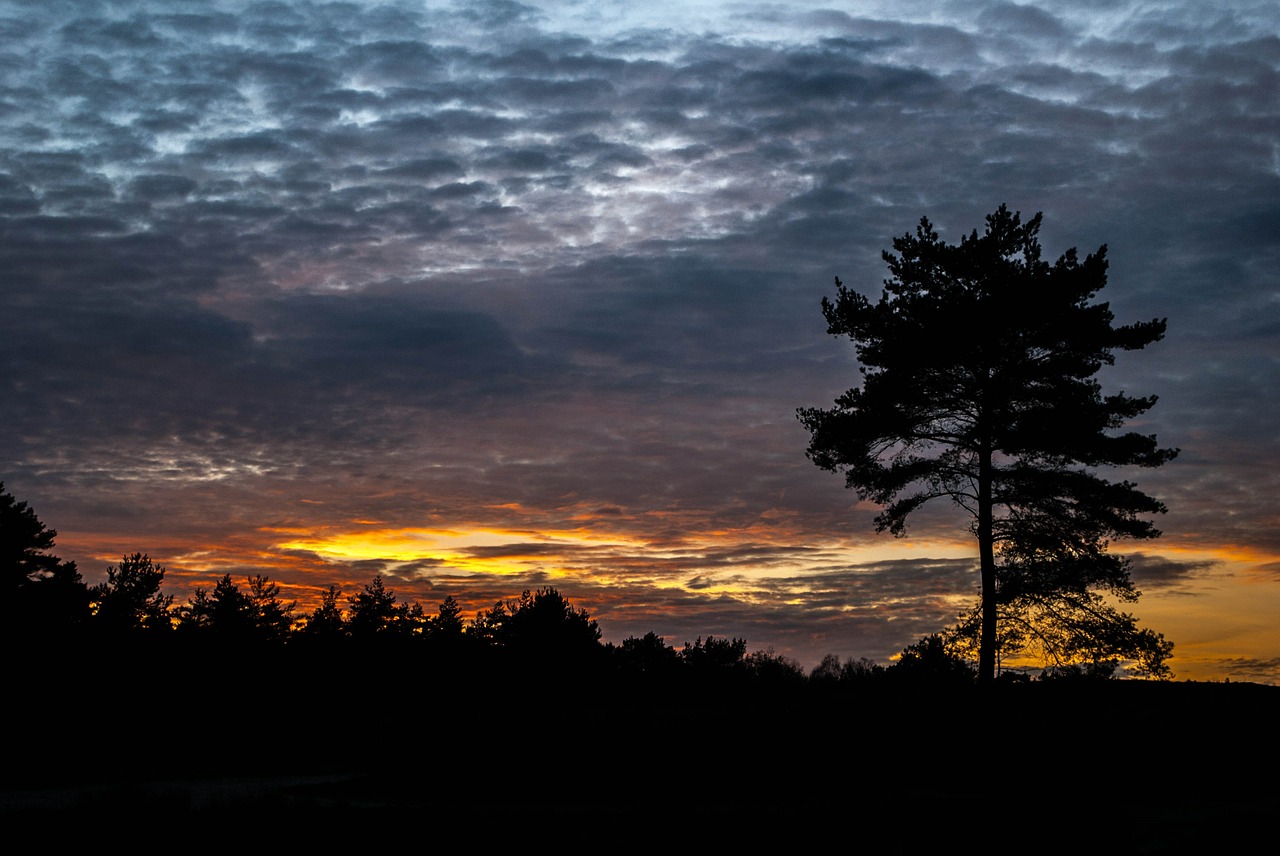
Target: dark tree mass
[41,596]
[979,364]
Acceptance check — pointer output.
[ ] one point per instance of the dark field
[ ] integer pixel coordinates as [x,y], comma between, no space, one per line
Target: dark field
[510,762]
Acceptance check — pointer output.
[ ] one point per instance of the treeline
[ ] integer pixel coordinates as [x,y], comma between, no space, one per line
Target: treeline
[118,681]
[541,627]
[48,608]
[132,686]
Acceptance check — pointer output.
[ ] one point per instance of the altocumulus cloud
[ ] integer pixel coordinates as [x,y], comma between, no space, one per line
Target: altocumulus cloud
[500,264]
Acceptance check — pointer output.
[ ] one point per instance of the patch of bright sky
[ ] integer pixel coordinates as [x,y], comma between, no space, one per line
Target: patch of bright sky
[463,549]
[1225,613]
[765,22]
[410,544]
[452,548]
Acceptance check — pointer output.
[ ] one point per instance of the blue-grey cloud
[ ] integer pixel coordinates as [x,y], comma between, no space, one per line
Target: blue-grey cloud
[496,254]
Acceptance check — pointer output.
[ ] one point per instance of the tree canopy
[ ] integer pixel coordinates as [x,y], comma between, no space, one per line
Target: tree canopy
[979,363]
[234,615]
[130,599]
[541,624]
[39,593]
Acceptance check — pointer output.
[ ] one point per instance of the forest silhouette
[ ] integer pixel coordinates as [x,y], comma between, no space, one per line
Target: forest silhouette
[232,713]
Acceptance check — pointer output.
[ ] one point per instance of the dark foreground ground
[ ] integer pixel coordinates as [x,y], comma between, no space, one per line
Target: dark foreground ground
[1123,767]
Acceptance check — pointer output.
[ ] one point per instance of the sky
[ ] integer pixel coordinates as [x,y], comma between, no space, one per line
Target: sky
[489,296]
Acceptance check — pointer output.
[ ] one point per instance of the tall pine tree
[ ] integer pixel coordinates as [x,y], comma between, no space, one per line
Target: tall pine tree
[979,363]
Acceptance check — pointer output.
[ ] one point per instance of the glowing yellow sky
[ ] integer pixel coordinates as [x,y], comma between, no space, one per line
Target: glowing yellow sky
[450,547]
[454,547]
[1224,613]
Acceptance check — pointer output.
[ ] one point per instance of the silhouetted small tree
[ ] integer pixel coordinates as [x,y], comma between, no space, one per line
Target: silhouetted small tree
[861,669]
[647,655]
[447,623]
[40,595]
[774,669]
[488,625]
[375,614]
[714,654]
[130,599]
[827,670]
[544,623]
[236,616]
[830,671]
[273,618]
[25,543]
[326,621]
[930,661]
[373,609]
[224,614]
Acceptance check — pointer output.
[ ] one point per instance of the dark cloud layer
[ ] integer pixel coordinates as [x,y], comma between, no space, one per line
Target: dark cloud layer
[432,264]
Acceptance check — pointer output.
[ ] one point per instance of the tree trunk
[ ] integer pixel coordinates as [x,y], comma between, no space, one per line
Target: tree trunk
[987,558]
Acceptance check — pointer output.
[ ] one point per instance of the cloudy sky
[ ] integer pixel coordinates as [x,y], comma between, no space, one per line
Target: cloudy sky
[484,296]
